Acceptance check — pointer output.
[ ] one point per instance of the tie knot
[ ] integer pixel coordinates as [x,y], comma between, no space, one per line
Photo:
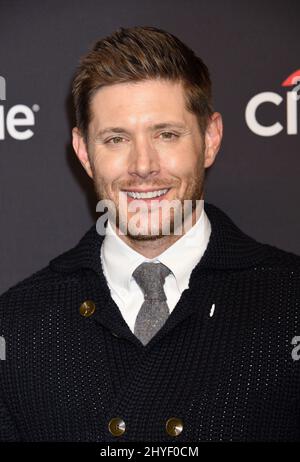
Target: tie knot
[151,278]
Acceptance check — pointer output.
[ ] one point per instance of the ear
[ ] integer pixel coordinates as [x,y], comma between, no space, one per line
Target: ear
[213,138]
[81,151]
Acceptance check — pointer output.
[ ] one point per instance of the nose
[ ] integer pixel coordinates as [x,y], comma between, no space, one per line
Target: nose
[143,159]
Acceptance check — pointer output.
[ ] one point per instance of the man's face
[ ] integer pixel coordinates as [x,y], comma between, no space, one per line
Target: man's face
[142,138]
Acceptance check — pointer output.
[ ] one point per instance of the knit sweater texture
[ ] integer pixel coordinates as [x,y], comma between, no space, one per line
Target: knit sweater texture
[222,363]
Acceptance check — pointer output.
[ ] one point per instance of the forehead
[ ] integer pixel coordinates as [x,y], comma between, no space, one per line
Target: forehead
[139,101]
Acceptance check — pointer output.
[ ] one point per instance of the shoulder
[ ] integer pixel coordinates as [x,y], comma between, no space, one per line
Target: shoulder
[281,260]
[34,293]
[41,279]
[279,274]
[53,284]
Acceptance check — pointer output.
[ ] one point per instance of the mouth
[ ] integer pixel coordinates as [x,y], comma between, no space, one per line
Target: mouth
[147,195]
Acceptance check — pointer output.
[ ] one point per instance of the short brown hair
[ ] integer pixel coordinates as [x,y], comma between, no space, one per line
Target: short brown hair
[136,54]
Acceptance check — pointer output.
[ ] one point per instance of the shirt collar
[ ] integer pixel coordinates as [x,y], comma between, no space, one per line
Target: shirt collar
[184,254]
[181,257]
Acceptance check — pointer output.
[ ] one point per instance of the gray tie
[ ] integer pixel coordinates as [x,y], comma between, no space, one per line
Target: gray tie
[154,311]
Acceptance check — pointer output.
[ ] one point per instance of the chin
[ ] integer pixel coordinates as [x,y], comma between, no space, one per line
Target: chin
[145,237]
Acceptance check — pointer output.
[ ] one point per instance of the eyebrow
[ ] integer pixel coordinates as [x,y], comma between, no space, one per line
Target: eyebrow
[177,125]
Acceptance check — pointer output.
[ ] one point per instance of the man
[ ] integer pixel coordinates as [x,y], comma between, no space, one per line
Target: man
[134,335]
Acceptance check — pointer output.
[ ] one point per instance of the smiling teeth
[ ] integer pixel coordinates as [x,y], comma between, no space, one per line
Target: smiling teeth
[147,195]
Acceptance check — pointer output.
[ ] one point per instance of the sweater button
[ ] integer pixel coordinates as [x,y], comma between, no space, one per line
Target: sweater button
[87,308]
[174,426]
[116,426]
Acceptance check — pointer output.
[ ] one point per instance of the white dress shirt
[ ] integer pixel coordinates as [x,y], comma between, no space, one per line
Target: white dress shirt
[119,261]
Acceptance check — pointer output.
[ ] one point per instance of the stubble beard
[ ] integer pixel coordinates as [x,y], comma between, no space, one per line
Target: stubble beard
[193,194]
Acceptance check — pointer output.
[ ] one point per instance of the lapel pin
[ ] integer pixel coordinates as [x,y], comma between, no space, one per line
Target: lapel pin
[212,310]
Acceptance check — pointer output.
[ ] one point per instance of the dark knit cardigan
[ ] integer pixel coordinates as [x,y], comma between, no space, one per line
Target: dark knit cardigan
[228,377]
